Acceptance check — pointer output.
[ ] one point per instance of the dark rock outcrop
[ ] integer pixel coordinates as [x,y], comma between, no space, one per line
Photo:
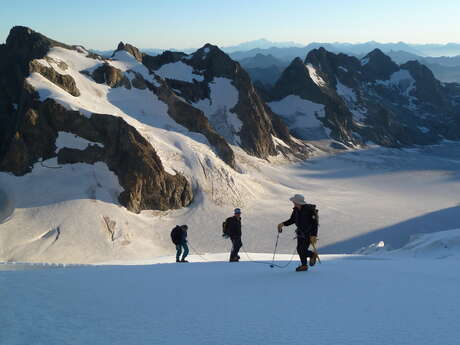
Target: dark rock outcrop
[64,81]
[378,67]
[155,62]
[428,89]
[329,65]
[111,76]
[194,120]
[130,49]
[295,80]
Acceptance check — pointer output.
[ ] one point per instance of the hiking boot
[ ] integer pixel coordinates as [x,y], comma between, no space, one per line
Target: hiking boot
[183,260]
[301,268]
[313,259]
[177,260]
[234,259]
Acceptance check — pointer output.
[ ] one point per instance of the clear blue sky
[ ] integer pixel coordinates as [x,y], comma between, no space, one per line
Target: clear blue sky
[101,24]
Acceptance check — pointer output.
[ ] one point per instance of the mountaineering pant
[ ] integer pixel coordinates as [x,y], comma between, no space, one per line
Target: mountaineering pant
[303,242]
[179,250]
[237,244]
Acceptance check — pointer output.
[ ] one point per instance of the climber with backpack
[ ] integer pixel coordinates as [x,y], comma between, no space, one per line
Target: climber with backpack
[232,229]
[305,217]
[179,238]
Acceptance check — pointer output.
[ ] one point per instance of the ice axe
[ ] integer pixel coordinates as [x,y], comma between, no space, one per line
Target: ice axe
[316,252]
[274,252]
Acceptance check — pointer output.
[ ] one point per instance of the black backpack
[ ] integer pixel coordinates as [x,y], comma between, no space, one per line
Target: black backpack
[225,230]
[176,235]
[314,221]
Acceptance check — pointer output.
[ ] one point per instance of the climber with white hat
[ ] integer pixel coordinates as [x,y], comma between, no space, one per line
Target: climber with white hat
[305,217]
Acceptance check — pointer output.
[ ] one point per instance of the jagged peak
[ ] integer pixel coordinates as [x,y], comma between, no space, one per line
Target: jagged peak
[26,44]
[418,69]
[296,67]
[210,46]
[379,58]
[376,53]
[209,50]
[297,62]
[214,60]
[22,37]
[317,55]
[378,66]
[413,63]
[297,70]
[135,52]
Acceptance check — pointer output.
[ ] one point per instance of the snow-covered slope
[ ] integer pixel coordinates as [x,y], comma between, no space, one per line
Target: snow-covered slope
[438,245]
[363,197]
[346,300]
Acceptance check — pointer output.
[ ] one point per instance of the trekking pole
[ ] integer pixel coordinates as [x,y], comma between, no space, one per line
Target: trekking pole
[316,251]
[276,245]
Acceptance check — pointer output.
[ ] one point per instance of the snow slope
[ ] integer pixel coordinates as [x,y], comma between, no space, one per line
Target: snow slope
[438,245]
[70,214]
[301,116]
[345,300]
[218,109]
[363,197]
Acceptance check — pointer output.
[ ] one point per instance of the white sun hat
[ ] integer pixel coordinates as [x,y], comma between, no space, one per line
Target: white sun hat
[299,199]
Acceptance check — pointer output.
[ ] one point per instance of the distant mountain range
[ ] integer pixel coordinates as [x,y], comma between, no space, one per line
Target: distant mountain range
[266,68]
[260,44]
[264,60]
[289,50]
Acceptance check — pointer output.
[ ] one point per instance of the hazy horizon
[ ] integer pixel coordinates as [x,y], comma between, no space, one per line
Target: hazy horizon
[184,24]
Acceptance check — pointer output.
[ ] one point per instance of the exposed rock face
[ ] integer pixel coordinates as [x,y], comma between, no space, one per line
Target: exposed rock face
[30,128]
[373,99]
[29,45]
[155,62]
[295,80]
[428,89]
[64,81]
[111,76]
[378,66]
[194,120]
[332,65]
[127,153]
[130,49]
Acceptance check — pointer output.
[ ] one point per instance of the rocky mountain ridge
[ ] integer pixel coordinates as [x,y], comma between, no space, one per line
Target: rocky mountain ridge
[372,99]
